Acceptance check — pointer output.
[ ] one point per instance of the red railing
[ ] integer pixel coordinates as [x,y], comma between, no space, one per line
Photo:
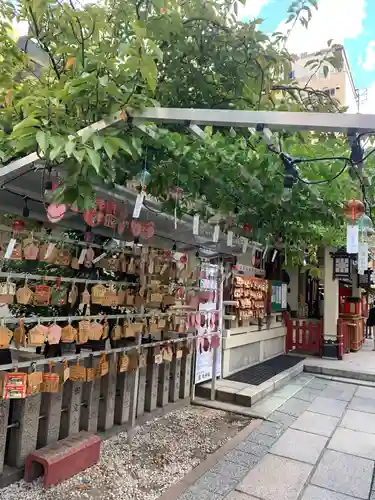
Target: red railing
[305,336]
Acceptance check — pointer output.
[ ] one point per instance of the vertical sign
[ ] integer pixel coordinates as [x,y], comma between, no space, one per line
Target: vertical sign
[362,258]
[352,239]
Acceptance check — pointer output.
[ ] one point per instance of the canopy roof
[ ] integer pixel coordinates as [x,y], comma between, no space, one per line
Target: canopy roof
[24,178]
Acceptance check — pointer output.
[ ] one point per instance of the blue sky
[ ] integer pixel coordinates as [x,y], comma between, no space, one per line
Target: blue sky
[351,22]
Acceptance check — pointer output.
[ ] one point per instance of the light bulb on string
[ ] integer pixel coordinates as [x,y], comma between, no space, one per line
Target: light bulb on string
[143,178]
[174,247]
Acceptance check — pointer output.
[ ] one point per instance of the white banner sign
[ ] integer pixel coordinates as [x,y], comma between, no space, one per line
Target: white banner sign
[362,258]
[352,239]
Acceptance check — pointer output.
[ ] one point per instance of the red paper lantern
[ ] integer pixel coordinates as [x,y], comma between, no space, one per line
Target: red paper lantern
[354,209]
[183,259]
[18,225]
[247,228]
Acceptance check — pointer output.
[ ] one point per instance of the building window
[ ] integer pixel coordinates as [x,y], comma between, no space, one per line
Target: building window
[332,92]
[291,75]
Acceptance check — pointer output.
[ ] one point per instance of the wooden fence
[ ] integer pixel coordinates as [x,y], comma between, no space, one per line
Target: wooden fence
[122,399]
[305,336]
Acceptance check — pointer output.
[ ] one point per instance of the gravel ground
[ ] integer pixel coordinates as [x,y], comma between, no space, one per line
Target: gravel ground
[161,453]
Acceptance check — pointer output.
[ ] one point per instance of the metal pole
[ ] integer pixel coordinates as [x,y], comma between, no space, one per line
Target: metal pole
[220,328]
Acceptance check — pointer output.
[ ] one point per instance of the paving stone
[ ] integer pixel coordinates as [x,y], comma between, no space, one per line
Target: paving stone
[326,406]
[343,393]
[276,478]
[282,418]
[236,495]
[372,496]
[229,469]
[308,394]
[353,442]
[317,383]
[194,493]
[263,439]
[315,493]
[302,379]
[267,406]
[365,392]
[362,404]
[242,458]
[316,423]
[255,449]
[359,421]
[221,485]
[287,391]
[294,407]
[344,473]
[271,429]
[299,445]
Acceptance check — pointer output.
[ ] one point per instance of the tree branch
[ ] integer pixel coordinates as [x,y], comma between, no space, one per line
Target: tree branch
[44,45]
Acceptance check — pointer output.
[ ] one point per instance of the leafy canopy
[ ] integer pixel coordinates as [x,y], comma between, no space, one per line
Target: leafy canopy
[86,61]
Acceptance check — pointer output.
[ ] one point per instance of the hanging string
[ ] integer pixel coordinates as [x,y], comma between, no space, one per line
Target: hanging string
[177,196]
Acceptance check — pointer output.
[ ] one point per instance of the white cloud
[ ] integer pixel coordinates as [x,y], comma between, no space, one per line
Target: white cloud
[335,19]
[251,9]
[368,63]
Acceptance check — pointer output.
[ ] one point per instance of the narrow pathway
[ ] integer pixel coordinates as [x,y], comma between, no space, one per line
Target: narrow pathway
[318,445]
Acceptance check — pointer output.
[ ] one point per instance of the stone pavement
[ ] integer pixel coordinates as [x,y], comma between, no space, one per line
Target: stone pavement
[318,445]
[361,362]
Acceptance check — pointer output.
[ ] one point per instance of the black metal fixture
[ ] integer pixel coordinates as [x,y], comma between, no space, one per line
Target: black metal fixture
[342,264]
[290,176]
[25,210]
[365,280]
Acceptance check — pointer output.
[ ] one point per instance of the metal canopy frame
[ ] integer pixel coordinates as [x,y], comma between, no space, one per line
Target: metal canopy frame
[17,173]
[349,124]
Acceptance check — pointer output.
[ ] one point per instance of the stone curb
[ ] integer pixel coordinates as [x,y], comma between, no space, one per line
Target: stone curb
[176,490]
[339,372]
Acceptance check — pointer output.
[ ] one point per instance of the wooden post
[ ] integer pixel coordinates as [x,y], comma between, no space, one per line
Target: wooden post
[90,399]
[4,415]
[163,388]
[175,377]
[141,391]
[49,426]
[186,372]
[125,382]
[151,394]
[70,417]
[108,393]
[24,438]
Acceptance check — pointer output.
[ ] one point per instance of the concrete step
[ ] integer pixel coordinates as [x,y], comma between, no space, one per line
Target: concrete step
[246,395]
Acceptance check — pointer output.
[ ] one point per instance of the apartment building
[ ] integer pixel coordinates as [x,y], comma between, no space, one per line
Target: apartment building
[338,83]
